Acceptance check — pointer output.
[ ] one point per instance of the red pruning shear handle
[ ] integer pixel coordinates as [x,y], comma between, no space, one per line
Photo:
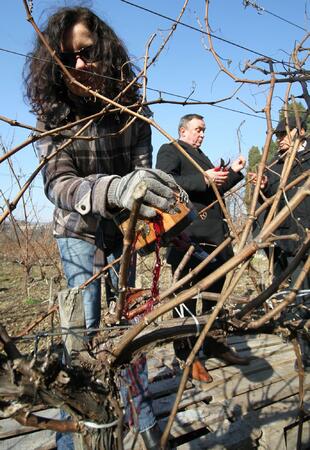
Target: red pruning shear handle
[223,167]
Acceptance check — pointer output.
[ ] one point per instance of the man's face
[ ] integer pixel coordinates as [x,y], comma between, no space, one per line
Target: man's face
[284,140]
[193,132]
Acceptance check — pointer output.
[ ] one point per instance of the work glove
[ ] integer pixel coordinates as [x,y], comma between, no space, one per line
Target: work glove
[161,191]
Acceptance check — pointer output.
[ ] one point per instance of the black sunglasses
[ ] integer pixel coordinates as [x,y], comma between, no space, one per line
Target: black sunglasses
[87,54]
[280,134]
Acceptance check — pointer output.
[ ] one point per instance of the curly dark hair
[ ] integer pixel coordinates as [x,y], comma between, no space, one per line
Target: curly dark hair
[46,90]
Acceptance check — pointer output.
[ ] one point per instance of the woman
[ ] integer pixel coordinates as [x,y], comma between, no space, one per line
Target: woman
[92,178]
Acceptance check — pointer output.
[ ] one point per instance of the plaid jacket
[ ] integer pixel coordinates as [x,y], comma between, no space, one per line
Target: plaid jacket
[76,180]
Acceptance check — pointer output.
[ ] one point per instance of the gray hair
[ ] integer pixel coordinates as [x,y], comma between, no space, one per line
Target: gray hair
[187,118]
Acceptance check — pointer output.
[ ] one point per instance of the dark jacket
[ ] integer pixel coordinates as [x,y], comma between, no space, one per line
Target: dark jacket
[300,217]
[213,229]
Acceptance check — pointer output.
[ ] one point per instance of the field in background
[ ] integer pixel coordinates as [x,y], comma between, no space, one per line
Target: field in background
[31,276]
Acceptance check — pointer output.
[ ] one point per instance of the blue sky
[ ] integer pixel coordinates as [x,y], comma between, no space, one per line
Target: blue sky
[185,63]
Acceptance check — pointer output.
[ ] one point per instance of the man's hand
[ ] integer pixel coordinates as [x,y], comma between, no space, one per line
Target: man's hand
[161,189]
[253,179]
[218,176]
[238,164]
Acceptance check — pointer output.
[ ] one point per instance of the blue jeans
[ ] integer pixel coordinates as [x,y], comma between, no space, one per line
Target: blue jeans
[77,258]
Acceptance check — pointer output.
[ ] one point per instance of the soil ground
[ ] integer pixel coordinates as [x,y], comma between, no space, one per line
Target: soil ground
[23,299]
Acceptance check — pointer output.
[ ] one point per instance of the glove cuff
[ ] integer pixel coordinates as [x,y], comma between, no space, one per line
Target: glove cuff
[111,195]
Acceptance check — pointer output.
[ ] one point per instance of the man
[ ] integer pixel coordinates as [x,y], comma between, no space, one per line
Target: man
[208,232]
[299,220]
[93,178]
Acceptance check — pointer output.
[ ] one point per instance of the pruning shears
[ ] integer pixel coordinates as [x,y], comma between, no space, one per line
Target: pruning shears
[223,167]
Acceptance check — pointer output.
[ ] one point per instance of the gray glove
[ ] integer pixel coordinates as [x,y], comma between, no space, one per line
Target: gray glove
[161,189]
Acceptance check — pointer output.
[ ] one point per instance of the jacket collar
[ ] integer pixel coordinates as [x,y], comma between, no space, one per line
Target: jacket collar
[188,146]
[302,153]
